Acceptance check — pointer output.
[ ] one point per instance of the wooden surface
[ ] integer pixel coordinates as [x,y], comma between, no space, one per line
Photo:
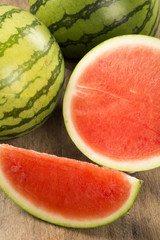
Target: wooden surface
[142,222]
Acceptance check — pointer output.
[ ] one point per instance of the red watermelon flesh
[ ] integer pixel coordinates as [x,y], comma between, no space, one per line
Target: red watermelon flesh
[116,110]
[69,189]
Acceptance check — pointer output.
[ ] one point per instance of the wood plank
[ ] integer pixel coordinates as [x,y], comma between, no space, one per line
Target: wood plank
[141,222]
[19,3]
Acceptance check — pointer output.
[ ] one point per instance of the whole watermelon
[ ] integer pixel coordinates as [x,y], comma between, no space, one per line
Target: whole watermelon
[78,26]
[31,72]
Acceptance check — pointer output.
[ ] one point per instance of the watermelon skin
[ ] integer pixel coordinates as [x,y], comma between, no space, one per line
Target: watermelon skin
[80,26]
[31,72]
[65,191]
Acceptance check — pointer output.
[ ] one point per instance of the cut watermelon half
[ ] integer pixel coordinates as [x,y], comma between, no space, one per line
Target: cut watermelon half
[65,191]
[111,106]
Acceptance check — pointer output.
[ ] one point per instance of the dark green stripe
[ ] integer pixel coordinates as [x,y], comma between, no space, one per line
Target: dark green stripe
[35,7]
[14,39]
[16,111]
[68,20]
[18,95]
[156,28]
[3,102]
[8,14]
[16,134]
[149,14]
[26,66]
[87,38]
[44,90]
[155,25]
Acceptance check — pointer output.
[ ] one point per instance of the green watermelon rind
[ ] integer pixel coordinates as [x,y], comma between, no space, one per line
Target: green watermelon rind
[127,166]
[31,88]
[60,220]
[78,27]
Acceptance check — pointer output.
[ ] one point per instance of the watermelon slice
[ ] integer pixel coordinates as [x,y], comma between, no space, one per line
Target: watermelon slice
[65,191]
[111,106]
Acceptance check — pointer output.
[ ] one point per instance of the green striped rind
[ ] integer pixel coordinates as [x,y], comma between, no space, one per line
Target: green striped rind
[31,70]
[79,26]
[57,218]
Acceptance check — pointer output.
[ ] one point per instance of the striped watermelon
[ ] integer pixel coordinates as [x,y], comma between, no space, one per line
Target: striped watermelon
[78,26]
[31,72]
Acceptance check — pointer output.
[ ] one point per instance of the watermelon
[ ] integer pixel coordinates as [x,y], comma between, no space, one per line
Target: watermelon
[111,104]
[79,26]
[64,191]
[31,72]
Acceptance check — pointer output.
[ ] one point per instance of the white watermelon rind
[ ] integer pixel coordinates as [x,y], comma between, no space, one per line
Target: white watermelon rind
[127,165]
[47,216]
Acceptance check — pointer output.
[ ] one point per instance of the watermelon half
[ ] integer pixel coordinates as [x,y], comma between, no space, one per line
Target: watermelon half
[65,191]
[111,106]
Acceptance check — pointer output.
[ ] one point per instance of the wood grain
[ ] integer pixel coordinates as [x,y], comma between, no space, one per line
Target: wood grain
[142,222]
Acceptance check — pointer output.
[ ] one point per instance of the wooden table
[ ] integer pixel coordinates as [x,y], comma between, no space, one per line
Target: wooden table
[142,222]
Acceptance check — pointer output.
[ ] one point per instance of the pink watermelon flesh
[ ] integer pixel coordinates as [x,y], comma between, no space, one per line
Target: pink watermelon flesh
[116,108]
[64,186]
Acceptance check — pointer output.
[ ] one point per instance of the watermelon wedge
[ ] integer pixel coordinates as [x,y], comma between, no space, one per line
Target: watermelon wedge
[65,191]
[111,106]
